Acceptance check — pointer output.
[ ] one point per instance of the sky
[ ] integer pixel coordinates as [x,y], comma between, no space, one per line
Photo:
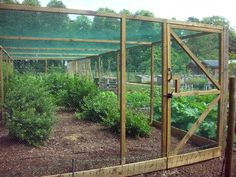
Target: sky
[180,9]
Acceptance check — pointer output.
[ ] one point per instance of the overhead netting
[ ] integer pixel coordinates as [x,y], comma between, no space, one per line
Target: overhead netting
[54,36]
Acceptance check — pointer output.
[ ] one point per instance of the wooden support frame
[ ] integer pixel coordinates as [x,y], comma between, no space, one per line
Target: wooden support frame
[197,93]
[231,128]
[118,74]
[152,58]
[166,102]
[121,170]
[71,40]
[193,157]
[223,74]
[54,54]
[55,49]
[122,89]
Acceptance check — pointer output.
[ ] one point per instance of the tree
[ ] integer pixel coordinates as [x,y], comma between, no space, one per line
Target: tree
[54,24]
[105,27]
[126,12]
[9,1]
[193,19]
[81,26]
[35,3]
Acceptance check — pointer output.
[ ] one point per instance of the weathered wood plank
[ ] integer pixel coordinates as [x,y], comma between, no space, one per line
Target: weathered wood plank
[193,157]
[195,59]
[121,170]
[70,40]
[230,130]
[52,53]
[164,89]
[195,125]
[57,10]
[197,93]
[122,89]
[195,26]
[223,66]
[60,49]
[152,83]
[118,74]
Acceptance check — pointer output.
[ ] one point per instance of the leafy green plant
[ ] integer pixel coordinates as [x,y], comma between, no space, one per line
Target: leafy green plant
[103,108]
[186,110]
[30,109]
[69,91]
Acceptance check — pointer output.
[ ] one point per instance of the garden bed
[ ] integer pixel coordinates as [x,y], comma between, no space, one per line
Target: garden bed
[90,144]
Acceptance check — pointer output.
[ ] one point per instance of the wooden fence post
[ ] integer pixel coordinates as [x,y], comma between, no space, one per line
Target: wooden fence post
[152,84]
[122,90]
[230,131]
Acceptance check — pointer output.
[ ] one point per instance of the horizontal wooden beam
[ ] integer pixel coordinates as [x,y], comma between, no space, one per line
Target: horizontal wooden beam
[77,12]
[193,157]
[195,26]
[60,54]
[197,93]
[60,49]
[49,58]
[71,40]
[57,10]
[120,170]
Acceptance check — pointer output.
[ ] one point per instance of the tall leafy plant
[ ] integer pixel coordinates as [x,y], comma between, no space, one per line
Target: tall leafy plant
[30,109]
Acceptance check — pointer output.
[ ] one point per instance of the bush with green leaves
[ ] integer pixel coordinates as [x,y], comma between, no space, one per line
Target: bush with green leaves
[69,91]
[56,83]
[75,91]
[30,109]
[103,108]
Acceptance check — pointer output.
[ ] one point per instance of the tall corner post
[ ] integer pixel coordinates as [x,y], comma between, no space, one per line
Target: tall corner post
[230,130]
[166,102]
[223,81]
[122,89]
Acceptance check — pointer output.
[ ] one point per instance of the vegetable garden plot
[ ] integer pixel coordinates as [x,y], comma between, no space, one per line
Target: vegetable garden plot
[123,88]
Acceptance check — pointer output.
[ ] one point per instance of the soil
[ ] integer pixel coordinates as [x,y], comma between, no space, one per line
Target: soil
[91,146]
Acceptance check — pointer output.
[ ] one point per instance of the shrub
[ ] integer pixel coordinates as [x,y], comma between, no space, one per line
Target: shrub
[56,83]
[103,108]
[69,91]
[76,89]
[103,105]
[137,100]
[30,109]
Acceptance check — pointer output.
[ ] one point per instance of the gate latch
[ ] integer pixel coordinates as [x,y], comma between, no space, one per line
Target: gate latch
[169,95]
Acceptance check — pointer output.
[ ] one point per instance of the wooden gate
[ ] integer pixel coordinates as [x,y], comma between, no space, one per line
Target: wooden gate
[172,153]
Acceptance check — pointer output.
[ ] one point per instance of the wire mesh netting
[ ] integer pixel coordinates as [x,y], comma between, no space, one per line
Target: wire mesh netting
[64,95]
